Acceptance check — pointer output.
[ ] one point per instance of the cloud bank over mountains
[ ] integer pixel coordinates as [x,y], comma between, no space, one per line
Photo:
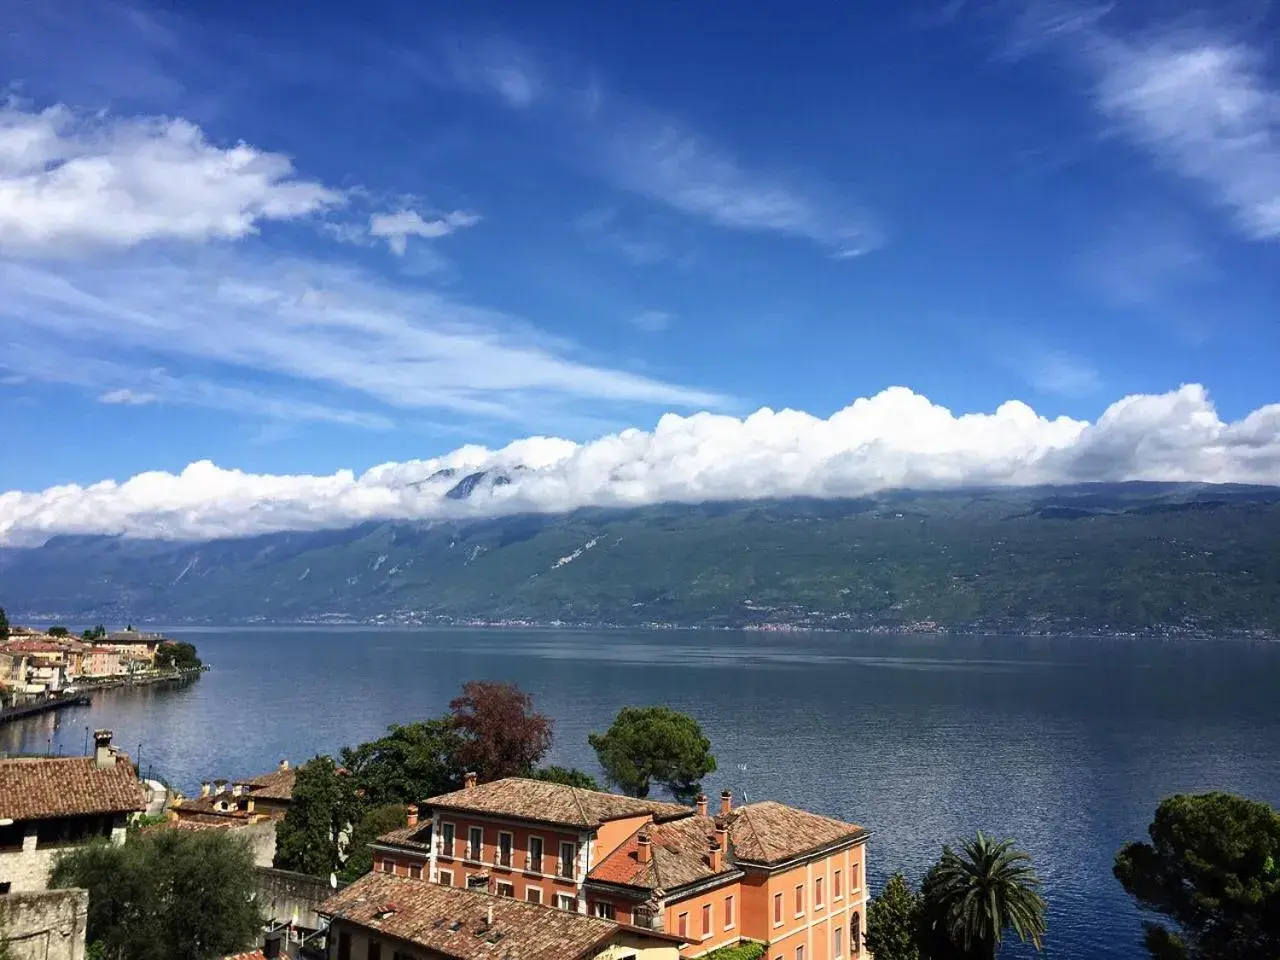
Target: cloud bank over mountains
[895,439]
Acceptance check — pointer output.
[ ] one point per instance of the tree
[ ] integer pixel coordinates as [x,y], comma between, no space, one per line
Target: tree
[501,735]
[58,630]
[569,776]
[94,634]
[412,762]
[372,825]
[310,837]
[970,898]
[1213,868]
[892,920]
[647,745]
[170,893]
[4,626]
[178,655]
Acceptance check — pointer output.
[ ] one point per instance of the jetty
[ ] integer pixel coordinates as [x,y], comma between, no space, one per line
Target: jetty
[43,706]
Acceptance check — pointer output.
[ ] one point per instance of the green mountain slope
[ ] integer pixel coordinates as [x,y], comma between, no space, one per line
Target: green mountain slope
[1098,557]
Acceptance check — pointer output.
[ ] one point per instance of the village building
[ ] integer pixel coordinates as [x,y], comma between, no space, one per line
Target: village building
[250,807]
[763,871]
[396,918]
[50,803]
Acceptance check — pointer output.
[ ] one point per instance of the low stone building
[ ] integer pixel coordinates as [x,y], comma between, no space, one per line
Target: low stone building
[396,918]
[48,804]
[45,926]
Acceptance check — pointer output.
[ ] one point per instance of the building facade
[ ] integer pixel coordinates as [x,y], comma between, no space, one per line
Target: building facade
[48,804]
[764,872]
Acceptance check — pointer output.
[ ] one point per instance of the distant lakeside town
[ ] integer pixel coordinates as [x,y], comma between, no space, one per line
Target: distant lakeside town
[52,667]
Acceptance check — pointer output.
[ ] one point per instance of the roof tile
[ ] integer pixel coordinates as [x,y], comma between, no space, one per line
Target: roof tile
[35,788]
[556,803]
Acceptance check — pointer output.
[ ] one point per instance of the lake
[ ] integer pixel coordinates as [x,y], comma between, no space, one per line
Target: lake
[1065,744]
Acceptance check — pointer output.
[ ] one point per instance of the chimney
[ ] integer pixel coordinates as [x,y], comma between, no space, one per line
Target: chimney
[644,848]
[722,836]
[205,788]
[219,786]
[726,801]
[715,856]
[284,765]
[411,812]
[271,948]
[103,755]
[237,789]
[248,805]
[488,916]
[702,804]
[469,780]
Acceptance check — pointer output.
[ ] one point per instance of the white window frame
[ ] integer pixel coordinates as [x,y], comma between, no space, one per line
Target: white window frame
[779,913]
[572,905]
[800,900]
[441,874]
[511,850]
[730,912]
[573,861]
[529,865]
[837,942]
[855,876]
[472,847]
[708,920]
[453,837]
[509,885]
[819,894]
[837,892]
[603,909]
[532,889]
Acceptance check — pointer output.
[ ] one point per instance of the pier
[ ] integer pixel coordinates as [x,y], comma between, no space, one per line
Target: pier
[42,706]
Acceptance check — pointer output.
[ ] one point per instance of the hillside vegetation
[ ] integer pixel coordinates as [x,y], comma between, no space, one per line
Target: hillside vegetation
[1116,557]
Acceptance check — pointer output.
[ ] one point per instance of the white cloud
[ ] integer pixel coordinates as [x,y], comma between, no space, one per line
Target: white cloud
[397,227]
[126,396]
[892,440]
[72,183]
[497,68]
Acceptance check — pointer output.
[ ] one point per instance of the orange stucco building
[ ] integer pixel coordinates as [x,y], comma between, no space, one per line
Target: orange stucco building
[763,871]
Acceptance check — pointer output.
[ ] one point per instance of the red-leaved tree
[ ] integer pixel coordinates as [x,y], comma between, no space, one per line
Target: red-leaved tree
[501,734]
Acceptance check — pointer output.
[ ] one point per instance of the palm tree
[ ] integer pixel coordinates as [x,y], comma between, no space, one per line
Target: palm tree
[971,898]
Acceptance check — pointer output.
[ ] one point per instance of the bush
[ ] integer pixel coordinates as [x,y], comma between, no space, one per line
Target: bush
[746,950]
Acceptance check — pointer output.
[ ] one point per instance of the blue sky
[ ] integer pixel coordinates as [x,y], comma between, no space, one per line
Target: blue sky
[295,237]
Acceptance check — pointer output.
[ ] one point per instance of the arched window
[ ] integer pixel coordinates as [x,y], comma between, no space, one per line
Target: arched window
[855,934]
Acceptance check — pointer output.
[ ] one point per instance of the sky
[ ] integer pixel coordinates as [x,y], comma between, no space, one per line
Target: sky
[266,266]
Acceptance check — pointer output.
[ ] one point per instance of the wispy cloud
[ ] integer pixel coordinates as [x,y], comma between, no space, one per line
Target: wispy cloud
[1203,106]
[396,228]
[1062,374]
[495,67]
[652,321]
[128,397]
[74,183]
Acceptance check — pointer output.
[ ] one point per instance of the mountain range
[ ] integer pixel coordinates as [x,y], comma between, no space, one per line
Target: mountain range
[1167,558]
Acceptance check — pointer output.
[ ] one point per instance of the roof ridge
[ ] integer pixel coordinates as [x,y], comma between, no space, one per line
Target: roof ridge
[581,810]
[745,812]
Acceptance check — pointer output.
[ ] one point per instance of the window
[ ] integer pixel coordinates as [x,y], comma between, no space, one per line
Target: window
[568,854]
[800,952]
[446,839]
[535,855]
[475,843]
[388,866]
[566,902]
[855,934]
[415,871]
[11,837]
[533,894]
[375,950]
[344,945]
[817,893]
[799,899]
[837,943]
[5,886]
[504,849]
[837,891]
[854,878]
[682,925]
[506,889]
[728,913]
[603,909]
[777,909]
[446,878]
[706,919]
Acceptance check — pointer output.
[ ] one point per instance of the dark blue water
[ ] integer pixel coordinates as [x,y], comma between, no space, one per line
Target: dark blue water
[1066,745]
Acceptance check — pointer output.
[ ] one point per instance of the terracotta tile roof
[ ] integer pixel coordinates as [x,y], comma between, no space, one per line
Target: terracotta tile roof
[34,788]
[553,803]
[770,832]
[453,921]
[276,785]
[679,856]
[413,838]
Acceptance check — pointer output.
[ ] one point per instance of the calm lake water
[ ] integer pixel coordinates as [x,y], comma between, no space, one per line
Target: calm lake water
[1066,745]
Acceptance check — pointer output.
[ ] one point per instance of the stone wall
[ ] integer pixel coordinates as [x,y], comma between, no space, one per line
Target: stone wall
[27,870]
[45,926]
[287,897]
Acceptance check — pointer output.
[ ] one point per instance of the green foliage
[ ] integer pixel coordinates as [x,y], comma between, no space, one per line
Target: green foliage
[94,634]
[1213,868]
[1094,556]
[178,655]
[569,776]
[746,950]
[970,898]
[309,838]
[4,633]
[892,921]
[409,764]
[501,734]
[171,893]
[648,745]
[372,825]
[58,630]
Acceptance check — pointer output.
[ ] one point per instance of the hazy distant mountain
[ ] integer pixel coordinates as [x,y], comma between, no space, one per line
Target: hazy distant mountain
[1097,556]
